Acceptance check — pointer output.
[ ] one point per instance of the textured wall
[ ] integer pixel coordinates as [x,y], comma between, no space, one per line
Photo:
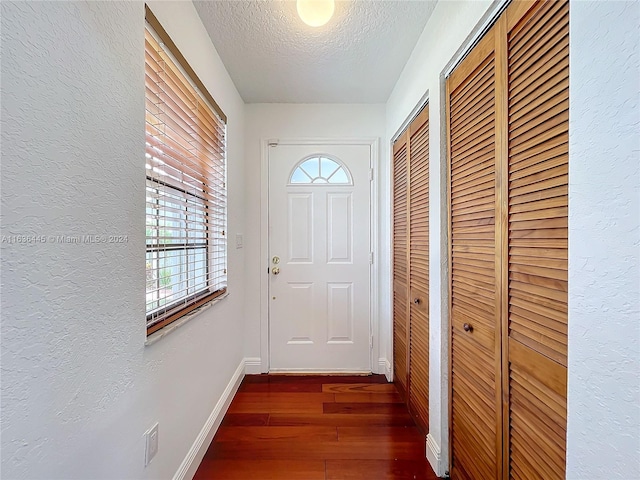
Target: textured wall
[603,434]
[79,388]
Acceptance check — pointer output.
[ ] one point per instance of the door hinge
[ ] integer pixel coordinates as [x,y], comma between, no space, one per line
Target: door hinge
[371,174]
[370,258]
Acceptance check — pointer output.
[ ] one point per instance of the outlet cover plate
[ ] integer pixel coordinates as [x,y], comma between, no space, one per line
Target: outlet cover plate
[151,444]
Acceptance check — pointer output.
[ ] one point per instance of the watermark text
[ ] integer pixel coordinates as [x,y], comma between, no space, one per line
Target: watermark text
[63,239]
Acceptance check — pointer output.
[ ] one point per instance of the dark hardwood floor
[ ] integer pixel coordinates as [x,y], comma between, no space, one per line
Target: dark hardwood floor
[316,427]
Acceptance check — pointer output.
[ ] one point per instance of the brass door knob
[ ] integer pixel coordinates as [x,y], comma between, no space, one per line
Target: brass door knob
[467,327]
[275,270]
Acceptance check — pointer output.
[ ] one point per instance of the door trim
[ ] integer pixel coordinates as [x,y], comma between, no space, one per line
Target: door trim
[375,270]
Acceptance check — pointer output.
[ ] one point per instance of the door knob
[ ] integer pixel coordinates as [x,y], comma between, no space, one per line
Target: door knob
[275,270]
[467,327]
[416,301]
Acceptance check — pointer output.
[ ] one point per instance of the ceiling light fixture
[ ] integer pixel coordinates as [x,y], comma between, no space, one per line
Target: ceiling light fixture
[315,13]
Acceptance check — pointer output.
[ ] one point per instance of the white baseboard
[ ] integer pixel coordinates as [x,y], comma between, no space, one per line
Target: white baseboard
[385,367]
[190,464]
[382,366]
[434,456]
[252,365]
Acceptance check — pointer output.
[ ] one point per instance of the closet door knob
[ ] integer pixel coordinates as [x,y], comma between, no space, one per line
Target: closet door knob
[467,327]
[416,301]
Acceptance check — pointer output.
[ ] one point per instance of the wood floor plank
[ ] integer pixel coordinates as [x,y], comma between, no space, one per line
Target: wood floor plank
[362,434]
[230,469]
[247,407]
[359,388]
[364,408]
[286,449]
[368,398]
[280,387]
[246,419]
[283,397]
[354,420]
[316,427]
[280,402]
[379,470]
[304,433]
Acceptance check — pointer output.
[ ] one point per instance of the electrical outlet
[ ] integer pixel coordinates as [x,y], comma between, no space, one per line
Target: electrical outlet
[151,444]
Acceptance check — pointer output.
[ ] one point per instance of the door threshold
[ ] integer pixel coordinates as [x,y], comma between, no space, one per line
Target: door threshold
[335,373]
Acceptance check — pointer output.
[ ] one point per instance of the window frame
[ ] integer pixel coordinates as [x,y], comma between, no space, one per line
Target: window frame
[320,156]
[157,318]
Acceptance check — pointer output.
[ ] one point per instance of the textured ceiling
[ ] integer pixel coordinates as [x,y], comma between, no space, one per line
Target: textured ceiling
[272,56]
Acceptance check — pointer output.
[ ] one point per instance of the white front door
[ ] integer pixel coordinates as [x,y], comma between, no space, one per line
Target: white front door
[319,255]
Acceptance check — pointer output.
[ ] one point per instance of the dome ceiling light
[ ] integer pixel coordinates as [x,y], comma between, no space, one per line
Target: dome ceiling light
[315,13]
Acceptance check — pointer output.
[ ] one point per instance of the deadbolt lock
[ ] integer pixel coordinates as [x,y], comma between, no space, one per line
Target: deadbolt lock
[276,260]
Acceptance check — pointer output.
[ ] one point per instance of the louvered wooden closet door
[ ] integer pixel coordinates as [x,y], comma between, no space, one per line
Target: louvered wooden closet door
[538,116]
[475,346]
[419,269]
[400,266]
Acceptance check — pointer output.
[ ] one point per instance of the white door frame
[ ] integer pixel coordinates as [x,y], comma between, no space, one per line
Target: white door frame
[374,324]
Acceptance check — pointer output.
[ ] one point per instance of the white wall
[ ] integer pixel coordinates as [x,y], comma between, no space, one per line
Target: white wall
[604,288]
[265,121]
[444,34]
[79,388]
[603,437]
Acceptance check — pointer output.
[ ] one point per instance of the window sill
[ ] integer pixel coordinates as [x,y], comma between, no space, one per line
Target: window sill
[155,336]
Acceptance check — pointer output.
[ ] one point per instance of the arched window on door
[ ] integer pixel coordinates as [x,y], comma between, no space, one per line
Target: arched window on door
[320,170]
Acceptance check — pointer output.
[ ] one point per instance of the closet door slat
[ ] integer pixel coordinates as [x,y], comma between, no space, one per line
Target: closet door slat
[419,270]
[475,407]
[538,106]
[400,266]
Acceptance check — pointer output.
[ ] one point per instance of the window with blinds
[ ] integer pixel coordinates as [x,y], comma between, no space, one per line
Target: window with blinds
[186,254]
